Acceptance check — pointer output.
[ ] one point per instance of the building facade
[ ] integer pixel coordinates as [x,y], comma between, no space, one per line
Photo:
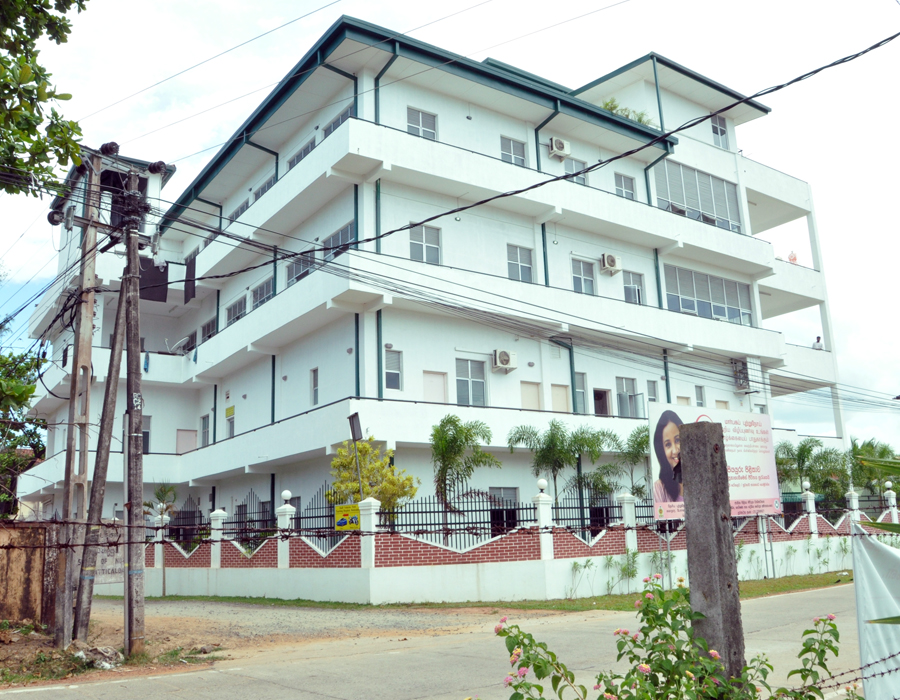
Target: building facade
[299,293]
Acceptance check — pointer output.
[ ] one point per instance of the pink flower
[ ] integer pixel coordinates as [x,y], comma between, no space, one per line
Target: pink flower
[649,596]
[646,579]
[816,620]
[509,680]
[523,671]
[498,629]
[643,668]
[714,654]
[618,629]
[503,619]
[625,633]
[657,576]
[597,687]
[637,603]
[608,696]
[634,636]
[830,616]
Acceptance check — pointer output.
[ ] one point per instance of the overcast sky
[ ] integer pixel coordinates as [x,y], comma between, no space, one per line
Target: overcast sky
[835,131]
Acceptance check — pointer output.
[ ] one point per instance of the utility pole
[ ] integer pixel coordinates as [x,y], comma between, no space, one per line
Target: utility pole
[134,208]
[75,489]
[98,484]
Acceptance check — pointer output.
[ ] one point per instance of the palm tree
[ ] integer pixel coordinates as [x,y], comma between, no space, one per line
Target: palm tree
[824,468]
[163,504]
[628,455]
[862,471]
[556,449]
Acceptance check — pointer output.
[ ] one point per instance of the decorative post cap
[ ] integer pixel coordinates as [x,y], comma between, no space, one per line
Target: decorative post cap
[542,485]
[888,485]
[805,485]
[286,495]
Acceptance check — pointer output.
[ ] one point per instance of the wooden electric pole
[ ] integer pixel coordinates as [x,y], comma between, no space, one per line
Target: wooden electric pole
[76,473]
[133,208]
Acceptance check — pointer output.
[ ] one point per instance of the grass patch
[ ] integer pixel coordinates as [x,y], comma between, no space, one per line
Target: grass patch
[748,589]
[44,666]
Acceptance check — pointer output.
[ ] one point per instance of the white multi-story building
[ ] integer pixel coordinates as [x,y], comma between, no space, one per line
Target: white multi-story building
[583,299]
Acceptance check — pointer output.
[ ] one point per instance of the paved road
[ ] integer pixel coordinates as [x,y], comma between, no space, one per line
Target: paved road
[456,665]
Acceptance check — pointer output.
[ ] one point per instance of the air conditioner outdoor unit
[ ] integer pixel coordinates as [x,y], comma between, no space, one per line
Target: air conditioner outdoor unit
[504,361]
[611,263]
[560,148]
[741,375]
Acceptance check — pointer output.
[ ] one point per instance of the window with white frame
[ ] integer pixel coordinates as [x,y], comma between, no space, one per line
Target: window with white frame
[421,123]
[393,369]
[314,386]
[263,292]
[339,241]
[470,383]
[340,119]
[573,166]
[229,427]
[651,390]
[265,187]
[236,311]
[207,330]
[634,287]
[504,503]
[700,396]
[720,131]
[300,267]
[697,195]
[302,153]
[425,244]
[518,263]
[583,276]
[624,186]
[707,295]
[512,151]
[631,403]
[204,430]
[236,214]
[580,382]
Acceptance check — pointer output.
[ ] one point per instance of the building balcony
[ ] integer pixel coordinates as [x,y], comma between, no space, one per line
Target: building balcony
[791,288]
[774,198]
[803,369]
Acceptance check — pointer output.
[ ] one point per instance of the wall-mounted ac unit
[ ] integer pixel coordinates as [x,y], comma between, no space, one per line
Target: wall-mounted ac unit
[560,148]
[611,263]
[741,375]
[504,361]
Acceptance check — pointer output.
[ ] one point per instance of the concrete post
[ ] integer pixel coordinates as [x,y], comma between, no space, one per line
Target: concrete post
[712,567]
[853,505]
[216,528]
[629,520]
[891,499]
[543,506]
[368,525]
[160,522]
[809,505]
[285,516]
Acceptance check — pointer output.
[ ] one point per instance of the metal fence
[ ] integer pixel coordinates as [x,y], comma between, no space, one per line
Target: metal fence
[644,512]
[252,523]
[468,518]
[318,517]
[587,513]
[188,526]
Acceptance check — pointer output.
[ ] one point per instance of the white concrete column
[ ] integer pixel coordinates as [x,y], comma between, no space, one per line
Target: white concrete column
[853,505]
[891,499]
[368,350]
[543,505]
[160,521]
[284,514]
[368,524]
[629,520]
[216,528]
[809,505]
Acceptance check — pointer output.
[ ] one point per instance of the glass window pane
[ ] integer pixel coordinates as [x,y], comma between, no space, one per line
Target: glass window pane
[744,294]
[731,295]
[576,283]
[704,309]
[432,255]
[432,235]
[477,393]
[589,286]
[702,284]
[672,302]
[685,282]
[462,392]
[416,251]
[525,274]
[512,253]
[671,280]
[477,369]
[392,380]
[512,270]
[525,256]
[462,368]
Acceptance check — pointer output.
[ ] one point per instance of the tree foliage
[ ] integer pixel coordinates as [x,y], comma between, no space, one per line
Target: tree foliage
[456,453]
[21,438]
[34,137]
[163,503]
[629,460]
[380,479]
[863,470]
[642,117]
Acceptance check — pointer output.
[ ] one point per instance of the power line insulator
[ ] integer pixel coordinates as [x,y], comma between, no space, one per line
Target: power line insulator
[55,217]
[157,168]
[110,149]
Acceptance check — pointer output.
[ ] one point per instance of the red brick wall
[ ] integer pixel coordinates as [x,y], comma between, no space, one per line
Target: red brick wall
[266,557]
[566,545]
[346,555]
[749,533]
[398,550]
[198,559]
[149,556]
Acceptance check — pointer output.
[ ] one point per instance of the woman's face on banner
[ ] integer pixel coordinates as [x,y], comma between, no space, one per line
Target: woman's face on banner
[671,436]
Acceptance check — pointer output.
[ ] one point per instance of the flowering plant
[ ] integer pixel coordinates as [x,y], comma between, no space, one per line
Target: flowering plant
[668,661]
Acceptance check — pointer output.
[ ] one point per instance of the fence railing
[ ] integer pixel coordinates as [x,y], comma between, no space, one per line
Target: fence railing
[188,526]
[316,521]
[587,513]
[253,521]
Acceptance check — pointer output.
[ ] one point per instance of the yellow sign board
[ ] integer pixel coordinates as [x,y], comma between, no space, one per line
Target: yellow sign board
[346,517]
[229,411]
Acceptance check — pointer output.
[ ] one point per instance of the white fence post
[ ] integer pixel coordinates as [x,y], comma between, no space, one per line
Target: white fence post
[159,551]
[216,528]
[629,520]
[853,505]
[891,499]
[285,514]
[809,505]
[543,506]
[368,522]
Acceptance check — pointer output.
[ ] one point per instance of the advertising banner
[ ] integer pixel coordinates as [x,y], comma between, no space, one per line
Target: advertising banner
[346,517]
[749,452]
